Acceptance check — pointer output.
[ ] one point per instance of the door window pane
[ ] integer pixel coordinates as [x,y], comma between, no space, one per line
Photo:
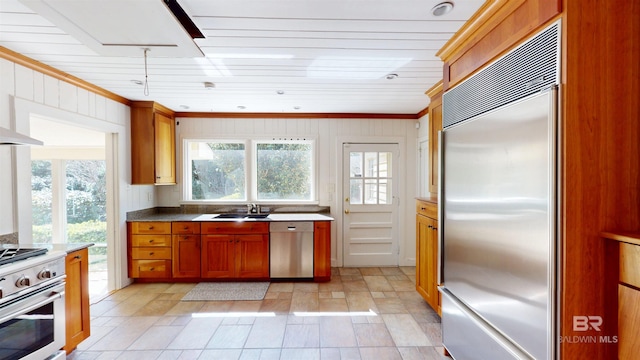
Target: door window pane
[373,186]
[41,201]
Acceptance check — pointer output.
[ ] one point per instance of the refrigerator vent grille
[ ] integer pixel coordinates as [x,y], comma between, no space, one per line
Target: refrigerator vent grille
[529,68]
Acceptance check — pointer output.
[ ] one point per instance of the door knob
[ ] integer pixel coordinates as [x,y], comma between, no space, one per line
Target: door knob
[346,211]
[346,199]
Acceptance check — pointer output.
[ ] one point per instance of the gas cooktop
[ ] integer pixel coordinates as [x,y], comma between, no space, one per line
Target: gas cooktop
[12,254]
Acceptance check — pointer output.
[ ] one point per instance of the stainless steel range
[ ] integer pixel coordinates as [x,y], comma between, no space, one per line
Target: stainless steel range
[32,319]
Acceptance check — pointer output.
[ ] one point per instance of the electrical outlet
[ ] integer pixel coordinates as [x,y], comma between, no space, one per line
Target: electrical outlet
[149,196]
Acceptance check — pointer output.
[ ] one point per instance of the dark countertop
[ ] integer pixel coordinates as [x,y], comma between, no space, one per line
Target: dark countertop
[68,248]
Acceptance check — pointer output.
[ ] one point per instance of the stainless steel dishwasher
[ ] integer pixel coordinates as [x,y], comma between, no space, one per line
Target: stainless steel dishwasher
[291,249]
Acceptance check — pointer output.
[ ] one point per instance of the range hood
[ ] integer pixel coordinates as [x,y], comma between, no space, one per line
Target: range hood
[10,137]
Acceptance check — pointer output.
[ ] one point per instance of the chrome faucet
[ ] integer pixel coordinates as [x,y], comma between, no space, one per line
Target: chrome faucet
[252,208]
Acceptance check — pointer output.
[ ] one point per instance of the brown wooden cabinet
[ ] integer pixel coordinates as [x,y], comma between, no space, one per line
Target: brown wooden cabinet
[149,249]
[322,251]
[153,152]
[427,253]
[235,250]
[185,249]
[435,125]
[628,253]
[77,318]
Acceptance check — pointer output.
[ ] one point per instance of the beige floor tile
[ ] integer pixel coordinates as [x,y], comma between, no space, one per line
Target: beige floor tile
[349,271]
[302,336]
[404,330]
[402,285]
[337,332]
[267,332]
[156,308]
[372,335]
[195,334]
[155,338]
[333,305]
[391,271]
[305,287]
[390,306]
[380,353]
[148,321]
[370,271]
[355,285]
[221,354]
[280,287]
[185,308]
[229,337]
[121,337]
[304,301]
[361,301]
[378,283]
[276,305]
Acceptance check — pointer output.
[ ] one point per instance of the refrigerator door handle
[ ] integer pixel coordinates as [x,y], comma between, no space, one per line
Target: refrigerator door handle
[440,255]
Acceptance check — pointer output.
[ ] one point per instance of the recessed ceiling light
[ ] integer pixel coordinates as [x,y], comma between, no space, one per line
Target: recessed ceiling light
[296,107]
[442,8]
[137,82]
[280,92]
[391,76]
[241,107]
[184,107]
[209,85]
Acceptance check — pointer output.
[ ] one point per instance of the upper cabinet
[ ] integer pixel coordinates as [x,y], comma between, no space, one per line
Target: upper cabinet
[435,125]
[153,144]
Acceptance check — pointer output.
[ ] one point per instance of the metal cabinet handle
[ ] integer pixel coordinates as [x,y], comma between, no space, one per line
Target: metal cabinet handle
[346,211]
[77,257]
[151,253]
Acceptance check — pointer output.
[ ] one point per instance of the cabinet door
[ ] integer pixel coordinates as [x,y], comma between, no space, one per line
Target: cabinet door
[165,147]
[427,260]
[252,256]
[432,265]
[322,251]
[435,125]
[77,318]
[186,256]
[217,256]
[423,230]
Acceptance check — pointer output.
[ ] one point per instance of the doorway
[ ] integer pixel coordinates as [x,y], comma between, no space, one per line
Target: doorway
[69,193]
[370,216]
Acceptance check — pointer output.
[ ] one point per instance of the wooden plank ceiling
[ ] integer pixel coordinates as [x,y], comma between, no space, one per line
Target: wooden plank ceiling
[307,56]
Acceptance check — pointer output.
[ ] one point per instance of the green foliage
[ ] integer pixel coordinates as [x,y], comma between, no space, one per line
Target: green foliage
[222,176]
[87,232]
[284,171]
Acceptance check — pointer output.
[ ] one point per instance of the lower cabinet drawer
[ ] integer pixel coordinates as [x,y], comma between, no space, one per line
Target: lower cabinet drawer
[151,253]
[151,268]
[150,240]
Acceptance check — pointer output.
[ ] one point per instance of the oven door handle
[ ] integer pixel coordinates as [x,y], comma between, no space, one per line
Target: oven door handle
[55,295]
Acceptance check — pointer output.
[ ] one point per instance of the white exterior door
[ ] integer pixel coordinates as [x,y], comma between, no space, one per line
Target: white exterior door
[370,216]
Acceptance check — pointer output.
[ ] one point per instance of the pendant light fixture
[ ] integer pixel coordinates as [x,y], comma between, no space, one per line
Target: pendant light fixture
[146,74]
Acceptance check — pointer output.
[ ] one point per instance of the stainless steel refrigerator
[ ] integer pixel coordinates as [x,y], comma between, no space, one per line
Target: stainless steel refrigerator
[499,232]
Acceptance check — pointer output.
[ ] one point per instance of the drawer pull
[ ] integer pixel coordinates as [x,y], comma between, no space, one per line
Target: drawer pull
[150,227]
[151,269]
[77,257]
[423,208]
[430,227]
[151,240]
[151,253]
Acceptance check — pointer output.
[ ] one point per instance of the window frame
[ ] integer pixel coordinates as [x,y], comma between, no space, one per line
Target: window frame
[251,166]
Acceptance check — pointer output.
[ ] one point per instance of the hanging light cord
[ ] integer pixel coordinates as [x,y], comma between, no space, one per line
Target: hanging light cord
[146,74]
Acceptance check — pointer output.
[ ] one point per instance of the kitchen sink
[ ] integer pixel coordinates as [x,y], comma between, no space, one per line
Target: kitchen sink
[230,216]
[256,216]
[241,216]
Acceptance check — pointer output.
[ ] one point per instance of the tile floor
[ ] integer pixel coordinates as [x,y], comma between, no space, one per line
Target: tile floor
[362,313]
